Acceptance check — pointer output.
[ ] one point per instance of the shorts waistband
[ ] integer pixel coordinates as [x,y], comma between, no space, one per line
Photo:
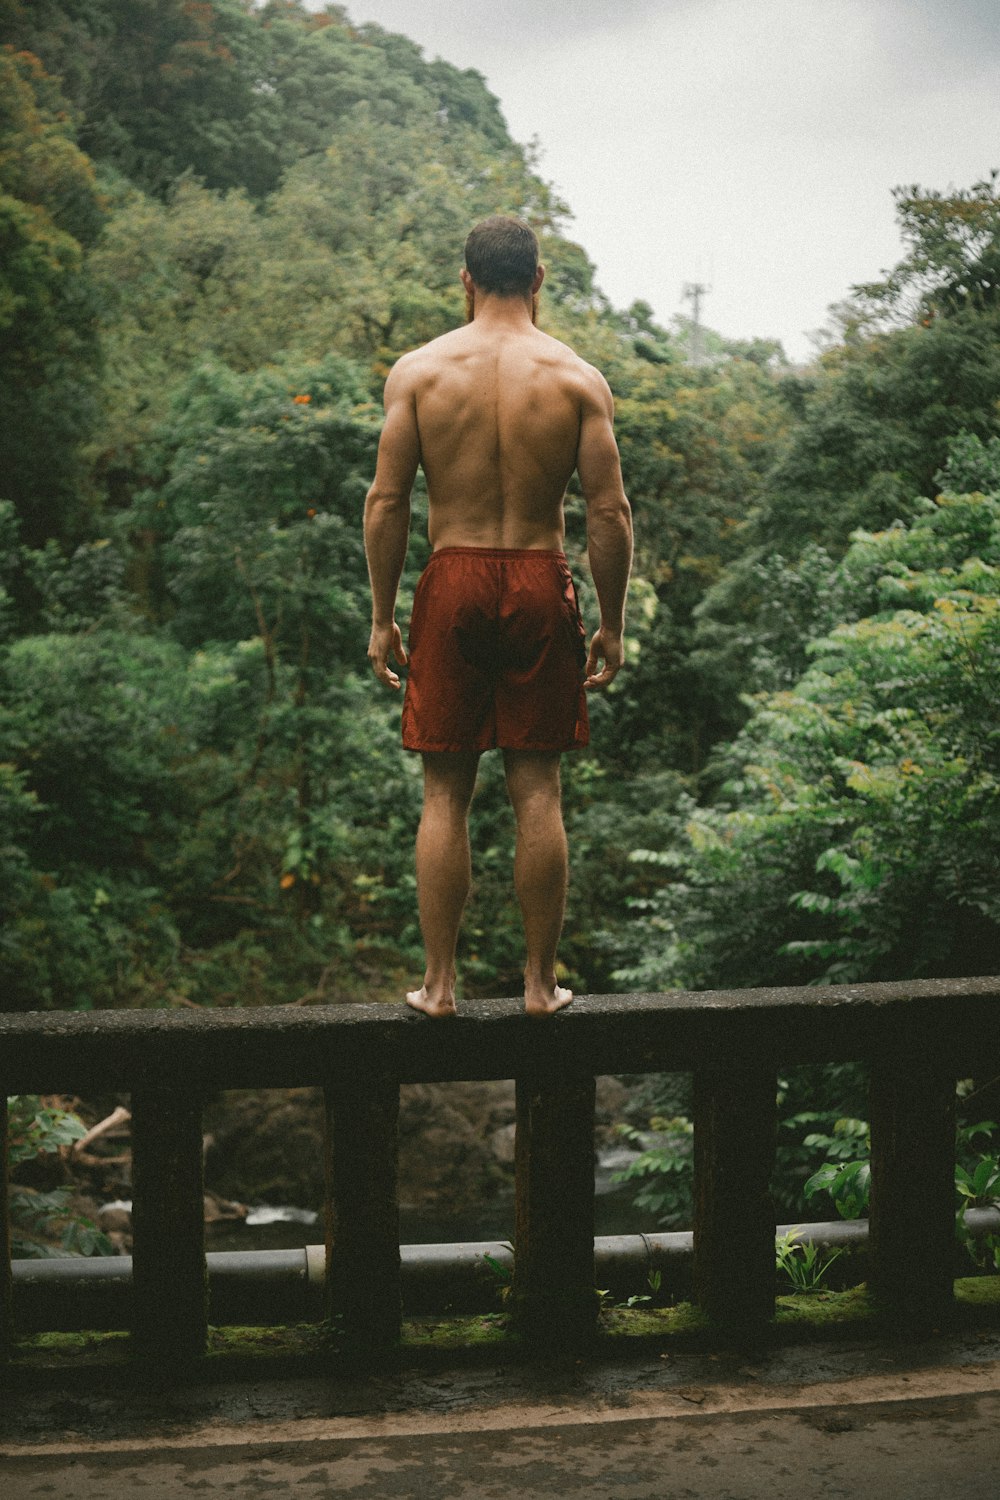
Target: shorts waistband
[498,552]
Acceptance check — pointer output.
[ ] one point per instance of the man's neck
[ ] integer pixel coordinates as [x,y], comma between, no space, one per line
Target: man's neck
[512,314]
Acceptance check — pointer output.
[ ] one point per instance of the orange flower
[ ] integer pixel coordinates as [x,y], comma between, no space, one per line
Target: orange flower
[311,511]
[287,881]
[302,400]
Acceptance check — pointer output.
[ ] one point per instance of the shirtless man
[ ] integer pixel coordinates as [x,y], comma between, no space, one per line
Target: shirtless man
[499,415]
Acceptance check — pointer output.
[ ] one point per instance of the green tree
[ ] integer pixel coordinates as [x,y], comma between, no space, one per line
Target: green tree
[175,286]
[48,355]
[914,364]
[177,86]
[952,260]
[62,35]
[695,447]
[858,833]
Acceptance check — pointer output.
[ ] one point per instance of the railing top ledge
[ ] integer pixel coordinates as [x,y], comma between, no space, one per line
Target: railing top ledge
[290,1045]
[783,999]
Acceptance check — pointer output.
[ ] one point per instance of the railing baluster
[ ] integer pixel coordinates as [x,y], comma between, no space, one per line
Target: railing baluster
[6,1284]
[362,1213]
[169,1280]
[912,1223]
[553,1288]
[735,1124]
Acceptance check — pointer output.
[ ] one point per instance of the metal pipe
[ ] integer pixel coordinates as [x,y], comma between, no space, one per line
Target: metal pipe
[261,1287]
[257,1287]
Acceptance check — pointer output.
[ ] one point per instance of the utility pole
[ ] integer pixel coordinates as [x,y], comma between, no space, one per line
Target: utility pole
[693,292]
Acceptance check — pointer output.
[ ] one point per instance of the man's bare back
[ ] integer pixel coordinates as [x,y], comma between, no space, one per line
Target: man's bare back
[498,415]
[499,411]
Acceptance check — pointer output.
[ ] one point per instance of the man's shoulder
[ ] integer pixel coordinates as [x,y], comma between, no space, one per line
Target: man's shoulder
[586,377]
[451,350]
[418,363]
[443,347]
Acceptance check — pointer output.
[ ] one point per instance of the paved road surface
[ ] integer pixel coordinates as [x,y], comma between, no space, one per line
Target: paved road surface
[861,1423]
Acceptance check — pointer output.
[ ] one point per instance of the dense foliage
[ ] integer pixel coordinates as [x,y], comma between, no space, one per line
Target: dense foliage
[45,1223]
[221,223]
[857,832]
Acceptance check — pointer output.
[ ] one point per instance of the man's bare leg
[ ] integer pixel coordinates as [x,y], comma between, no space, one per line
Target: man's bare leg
[444,873]
[541,868]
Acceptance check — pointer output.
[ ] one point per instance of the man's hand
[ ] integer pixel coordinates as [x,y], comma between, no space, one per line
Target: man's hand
[606,646]
[386,638]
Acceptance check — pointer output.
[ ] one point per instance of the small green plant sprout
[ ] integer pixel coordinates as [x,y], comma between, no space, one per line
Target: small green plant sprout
[800,1261]
[653,1281]
[503,1276]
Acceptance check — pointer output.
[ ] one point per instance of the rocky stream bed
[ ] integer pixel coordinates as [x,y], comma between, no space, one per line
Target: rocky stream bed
[264,1165]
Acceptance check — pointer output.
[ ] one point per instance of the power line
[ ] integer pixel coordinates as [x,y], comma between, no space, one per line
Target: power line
[693,292]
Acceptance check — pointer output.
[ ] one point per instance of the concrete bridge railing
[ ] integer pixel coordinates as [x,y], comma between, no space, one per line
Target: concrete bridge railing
[918,1038]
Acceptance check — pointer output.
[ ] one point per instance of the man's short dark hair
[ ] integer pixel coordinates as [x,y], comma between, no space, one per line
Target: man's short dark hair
[501,256]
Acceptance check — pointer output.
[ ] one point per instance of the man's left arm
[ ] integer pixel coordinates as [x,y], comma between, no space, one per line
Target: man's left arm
[609,530]
[387,520]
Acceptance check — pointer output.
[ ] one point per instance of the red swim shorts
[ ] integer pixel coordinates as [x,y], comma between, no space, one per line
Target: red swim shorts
[497,653]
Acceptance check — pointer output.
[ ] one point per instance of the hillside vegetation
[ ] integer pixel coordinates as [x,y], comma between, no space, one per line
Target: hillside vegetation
[221,224]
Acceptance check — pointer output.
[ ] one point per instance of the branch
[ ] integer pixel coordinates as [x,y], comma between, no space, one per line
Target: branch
[118,1116]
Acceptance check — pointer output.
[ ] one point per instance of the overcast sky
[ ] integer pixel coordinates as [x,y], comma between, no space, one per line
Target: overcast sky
[749,144]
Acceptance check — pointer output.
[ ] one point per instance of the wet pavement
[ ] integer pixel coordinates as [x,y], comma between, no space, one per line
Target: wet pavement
[859,1420]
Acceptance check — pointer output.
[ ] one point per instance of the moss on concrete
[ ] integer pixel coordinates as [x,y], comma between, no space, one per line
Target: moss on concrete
[485,1330]
[979,1292]
[684,1320]
[40,1348]
[821,1312]
[234,1342]
[47,1357]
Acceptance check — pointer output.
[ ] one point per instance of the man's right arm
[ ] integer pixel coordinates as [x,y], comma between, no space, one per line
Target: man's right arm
[387,519]
[609,529]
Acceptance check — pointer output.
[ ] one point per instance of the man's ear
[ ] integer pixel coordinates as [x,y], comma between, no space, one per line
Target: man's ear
[467,281]
[539,278]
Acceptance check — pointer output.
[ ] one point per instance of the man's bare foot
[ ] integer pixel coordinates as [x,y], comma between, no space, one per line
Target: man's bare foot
[430,1004]
[545,1000]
